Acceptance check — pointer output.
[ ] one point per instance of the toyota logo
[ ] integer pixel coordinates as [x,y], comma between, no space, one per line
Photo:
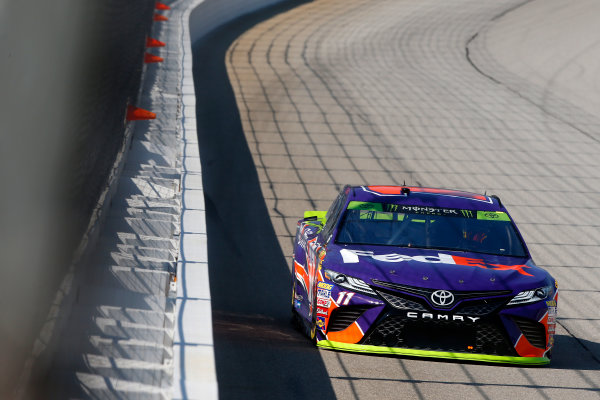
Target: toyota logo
[442,298]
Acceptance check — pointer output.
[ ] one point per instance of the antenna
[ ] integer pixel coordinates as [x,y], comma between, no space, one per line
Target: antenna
[404,182]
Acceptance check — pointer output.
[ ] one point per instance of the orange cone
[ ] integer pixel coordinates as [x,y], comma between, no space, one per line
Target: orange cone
[161,6]
[138,114]
[158,17]
[151,58]
[154,43]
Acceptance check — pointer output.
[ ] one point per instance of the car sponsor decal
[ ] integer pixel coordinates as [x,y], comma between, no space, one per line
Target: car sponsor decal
[352,256]
[323,285]
[321,323]
[323,302]
[321,311]
[323,294]
[551,319]
[448,212]
[385,210]
[365,205]
[380,215]
[493,216]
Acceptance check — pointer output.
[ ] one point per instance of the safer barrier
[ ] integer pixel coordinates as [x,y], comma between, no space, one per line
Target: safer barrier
[68,73]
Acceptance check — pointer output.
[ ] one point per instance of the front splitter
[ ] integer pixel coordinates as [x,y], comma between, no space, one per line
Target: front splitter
[361,348]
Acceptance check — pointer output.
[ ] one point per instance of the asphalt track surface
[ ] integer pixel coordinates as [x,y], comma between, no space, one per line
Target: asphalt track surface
[297,100]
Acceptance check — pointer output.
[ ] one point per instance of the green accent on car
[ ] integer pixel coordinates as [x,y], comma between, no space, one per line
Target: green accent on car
[467,213]
[493,216]
[380,215]
[362,348]
[364,205]
[374,211]
[319,214]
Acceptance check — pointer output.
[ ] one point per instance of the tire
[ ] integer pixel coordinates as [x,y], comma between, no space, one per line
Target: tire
[312,333]
[298,324]
[295,318]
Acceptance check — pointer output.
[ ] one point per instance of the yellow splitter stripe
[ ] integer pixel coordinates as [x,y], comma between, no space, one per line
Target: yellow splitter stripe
[361,348]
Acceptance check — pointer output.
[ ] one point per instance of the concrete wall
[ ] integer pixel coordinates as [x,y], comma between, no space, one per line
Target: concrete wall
[68,70]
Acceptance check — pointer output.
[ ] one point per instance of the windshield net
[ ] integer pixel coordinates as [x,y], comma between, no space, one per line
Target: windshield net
[490,232]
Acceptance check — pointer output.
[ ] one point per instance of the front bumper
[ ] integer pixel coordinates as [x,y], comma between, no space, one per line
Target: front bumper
[490,333]
[399,322]
[361,348]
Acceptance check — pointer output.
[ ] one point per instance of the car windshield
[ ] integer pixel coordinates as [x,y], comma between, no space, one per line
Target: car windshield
[490,232]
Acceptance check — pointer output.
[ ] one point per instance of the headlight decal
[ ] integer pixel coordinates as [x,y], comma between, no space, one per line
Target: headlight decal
[350,283]
[531,296]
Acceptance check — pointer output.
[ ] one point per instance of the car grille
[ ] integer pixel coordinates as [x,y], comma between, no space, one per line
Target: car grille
[440,335]
[401,303]
[426,293]
[533,331]
[342,317]
[480,307]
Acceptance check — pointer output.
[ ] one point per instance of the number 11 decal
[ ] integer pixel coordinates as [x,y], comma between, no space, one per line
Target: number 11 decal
[344,302]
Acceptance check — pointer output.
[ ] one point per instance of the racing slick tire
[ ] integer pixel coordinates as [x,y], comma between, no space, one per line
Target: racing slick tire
[295,318]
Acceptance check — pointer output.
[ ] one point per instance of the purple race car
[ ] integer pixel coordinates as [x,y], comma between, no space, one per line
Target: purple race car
[422,272]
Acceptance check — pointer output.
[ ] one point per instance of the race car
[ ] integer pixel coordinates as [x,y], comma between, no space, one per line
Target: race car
[421,272]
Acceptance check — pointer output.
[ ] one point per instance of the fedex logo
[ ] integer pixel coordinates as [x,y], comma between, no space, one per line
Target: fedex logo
[352,256]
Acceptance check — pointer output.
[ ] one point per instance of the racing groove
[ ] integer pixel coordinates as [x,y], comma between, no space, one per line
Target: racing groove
[381,92]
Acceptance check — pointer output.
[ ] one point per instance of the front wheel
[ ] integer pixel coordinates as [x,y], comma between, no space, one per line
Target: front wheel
[295,319]
[312,334]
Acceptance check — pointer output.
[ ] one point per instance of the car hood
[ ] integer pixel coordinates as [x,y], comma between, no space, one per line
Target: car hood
[435,269]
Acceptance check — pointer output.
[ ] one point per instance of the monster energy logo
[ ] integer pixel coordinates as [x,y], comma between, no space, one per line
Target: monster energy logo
[467,213]
[429,210]
[392,207]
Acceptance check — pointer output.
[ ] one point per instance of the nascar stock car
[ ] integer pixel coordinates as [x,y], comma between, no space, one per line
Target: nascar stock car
[421,272]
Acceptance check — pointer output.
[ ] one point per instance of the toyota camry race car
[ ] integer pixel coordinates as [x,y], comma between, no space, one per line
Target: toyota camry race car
[421,272]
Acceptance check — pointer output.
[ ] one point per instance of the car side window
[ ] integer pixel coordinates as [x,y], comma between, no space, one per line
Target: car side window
[333,214]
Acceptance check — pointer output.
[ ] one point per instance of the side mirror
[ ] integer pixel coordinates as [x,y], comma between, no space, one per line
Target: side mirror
[316,216]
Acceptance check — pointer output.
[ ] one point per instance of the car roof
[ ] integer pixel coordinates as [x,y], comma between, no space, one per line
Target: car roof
[425,196]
